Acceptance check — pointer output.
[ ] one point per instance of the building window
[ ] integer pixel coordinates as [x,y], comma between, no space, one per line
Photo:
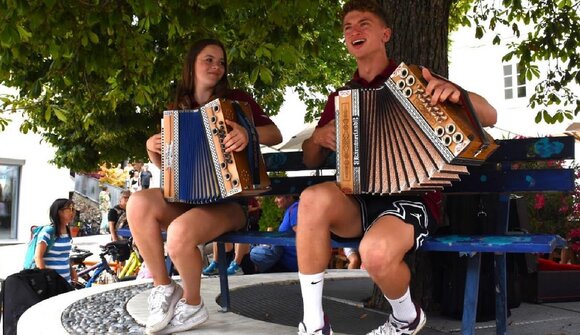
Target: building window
[9,187]
[514,81]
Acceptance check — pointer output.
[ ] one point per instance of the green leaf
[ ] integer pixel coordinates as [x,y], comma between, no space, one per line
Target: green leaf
[478,32]
[60,114]
[47,113]
[265,75]
[93,37]
[254,75]
[36,89]
[538,117]
[24,34]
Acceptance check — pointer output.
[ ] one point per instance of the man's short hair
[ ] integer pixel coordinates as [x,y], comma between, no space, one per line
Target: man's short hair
[125,194]
[365,6]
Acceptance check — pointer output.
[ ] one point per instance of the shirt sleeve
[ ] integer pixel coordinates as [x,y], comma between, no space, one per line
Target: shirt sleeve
[113,216]
[45,235]
[329,113]
[290,219]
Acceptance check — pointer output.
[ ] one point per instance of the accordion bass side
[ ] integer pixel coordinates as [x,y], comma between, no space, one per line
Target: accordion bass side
[194,165]
[392,140]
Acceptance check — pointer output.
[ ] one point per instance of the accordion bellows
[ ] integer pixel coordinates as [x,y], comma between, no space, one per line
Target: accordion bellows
[391,140]
[194,165]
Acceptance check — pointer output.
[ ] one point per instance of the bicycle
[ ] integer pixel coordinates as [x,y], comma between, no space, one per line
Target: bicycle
[86,277]
[131,268]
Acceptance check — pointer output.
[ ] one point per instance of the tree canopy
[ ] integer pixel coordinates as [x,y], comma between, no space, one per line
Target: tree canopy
[94,76]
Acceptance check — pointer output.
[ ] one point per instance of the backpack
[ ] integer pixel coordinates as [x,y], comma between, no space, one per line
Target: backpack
[122,217]
[23,289]
[31,250]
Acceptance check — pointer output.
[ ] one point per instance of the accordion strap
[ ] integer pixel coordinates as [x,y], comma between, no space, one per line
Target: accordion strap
[253,147]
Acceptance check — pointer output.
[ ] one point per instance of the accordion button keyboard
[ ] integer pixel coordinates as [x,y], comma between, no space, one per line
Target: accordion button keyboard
[450,128]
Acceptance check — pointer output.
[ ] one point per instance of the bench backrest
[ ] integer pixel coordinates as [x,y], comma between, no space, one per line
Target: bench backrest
[504,172]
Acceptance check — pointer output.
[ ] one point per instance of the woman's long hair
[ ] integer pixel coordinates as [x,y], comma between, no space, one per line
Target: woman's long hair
[186,87]
[56,206]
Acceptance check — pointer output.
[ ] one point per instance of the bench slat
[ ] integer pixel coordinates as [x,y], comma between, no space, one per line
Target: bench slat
[527,149]
[523,243]
[557,180]
[478,181]
[275,238]
[534,149]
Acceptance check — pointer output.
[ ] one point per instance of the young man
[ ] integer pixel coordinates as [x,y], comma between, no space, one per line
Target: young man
[118,216]
[390,226]
[271,258]
[267,258]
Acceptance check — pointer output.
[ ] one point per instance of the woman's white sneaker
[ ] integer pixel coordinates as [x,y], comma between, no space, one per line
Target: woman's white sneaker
[162,301]
[185,317]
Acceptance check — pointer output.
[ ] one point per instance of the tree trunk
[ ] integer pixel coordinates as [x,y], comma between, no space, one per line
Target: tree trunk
[420,32]
[420,36]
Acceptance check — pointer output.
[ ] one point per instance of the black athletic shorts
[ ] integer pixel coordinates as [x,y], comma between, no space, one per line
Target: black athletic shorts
[410,209]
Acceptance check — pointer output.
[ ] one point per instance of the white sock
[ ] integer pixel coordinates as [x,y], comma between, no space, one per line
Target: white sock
[311,286]
[404,308]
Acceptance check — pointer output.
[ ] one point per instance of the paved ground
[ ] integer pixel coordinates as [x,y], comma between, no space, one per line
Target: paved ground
[270,304]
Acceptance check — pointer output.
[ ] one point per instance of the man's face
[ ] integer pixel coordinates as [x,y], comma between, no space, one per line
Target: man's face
[283,201]
[364,33]
[123,201]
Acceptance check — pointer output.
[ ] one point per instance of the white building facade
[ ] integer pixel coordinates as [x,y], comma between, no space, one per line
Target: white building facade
[28,181]
[476,65]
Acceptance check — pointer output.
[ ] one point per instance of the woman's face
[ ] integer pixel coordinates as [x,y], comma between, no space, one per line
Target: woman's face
[67,214]
[209,67]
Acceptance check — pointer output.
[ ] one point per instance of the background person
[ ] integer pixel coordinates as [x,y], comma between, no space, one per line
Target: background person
[61,214]
[145,177]
[104,207]
[117,215]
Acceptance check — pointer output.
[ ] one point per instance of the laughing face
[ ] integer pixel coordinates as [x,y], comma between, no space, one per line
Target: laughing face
[364,33]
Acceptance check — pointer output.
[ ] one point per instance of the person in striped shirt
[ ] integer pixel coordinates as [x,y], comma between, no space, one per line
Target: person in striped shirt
[61,213]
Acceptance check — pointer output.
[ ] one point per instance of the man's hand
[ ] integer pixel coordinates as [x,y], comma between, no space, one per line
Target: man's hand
[440,90]
[325,136]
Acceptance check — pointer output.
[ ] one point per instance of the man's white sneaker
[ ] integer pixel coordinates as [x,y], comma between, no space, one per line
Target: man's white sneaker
[325,330]
[396,327]
[185,317]
[162,301]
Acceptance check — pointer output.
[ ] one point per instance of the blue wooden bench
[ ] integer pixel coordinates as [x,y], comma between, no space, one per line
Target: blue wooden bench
[495,176]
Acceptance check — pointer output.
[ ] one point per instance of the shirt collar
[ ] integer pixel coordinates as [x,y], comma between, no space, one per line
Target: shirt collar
[379,79]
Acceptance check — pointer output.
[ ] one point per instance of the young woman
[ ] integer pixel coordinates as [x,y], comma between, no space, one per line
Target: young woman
[171,307]
[61,213]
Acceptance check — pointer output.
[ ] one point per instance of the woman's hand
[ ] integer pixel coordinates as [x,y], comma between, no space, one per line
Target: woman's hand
[237,137]
[153,144]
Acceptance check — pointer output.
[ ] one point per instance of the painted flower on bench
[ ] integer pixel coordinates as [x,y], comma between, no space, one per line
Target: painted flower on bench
[490,240]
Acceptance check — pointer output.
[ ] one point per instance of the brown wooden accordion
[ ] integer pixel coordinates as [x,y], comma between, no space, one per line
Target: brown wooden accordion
[194,165]
[392,140]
